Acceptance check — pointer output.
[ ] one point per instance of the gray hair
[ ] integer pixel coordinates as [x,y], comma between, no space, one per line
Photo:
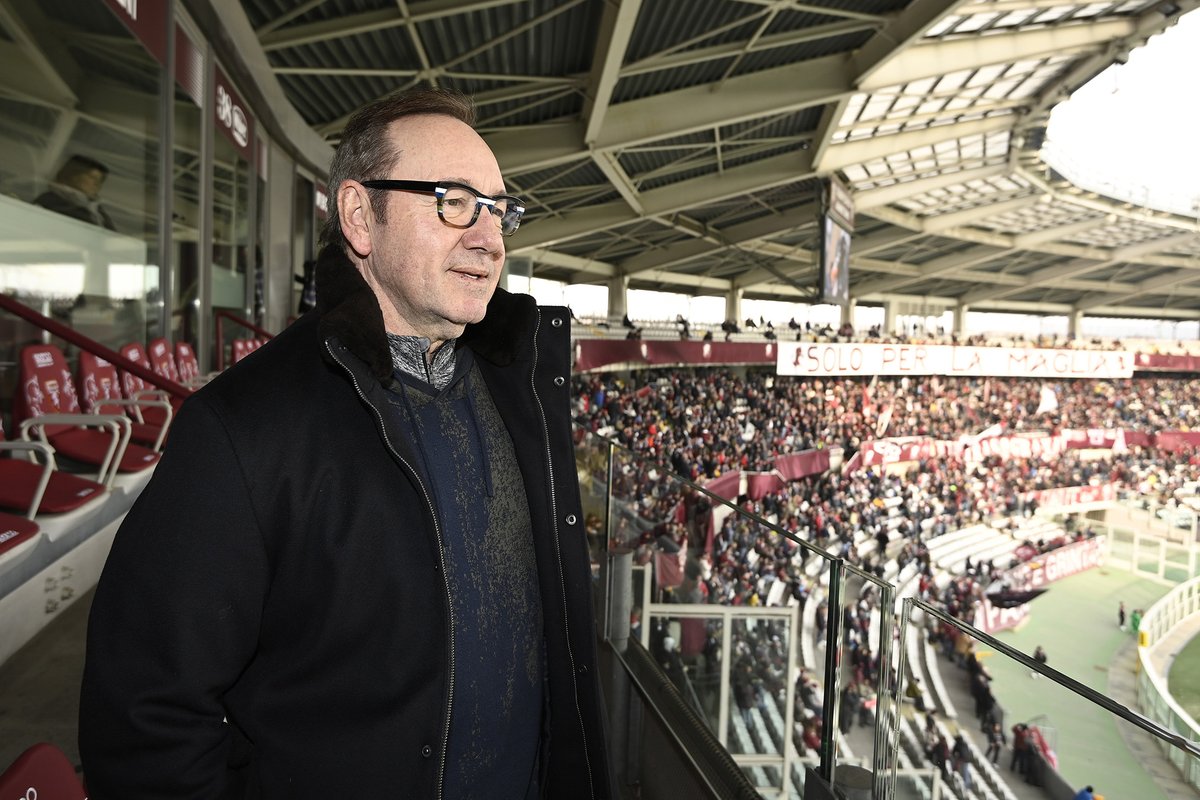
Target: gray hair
[367,151]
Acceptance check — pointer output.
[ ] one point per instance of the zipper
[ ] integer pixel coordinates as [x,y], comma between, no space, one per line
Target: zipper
[441,558]
[558,547]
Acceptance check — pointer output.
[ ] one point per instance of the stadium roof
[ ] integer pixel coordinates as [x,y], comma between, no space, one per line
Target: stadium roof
[682,143]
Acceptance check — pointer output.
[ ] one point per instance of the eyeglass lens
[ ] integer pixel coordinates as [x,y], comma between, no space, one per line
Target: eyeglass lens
[458,208]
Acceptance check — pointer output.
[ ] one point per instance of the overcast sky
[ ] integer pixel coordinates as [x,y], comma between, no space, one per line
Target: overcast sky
[1134,131]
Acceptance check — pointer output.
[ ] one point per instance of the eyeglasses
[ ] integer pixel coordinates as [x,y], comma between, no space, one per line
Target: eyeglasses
[458,204]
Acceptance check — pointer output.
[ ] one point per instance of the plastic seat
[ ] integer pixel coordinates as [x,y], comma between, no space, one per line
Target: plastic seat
[162,359]
[48,405]
[241,349]
[102,394]
[136,389]
[42,771]
[32,488]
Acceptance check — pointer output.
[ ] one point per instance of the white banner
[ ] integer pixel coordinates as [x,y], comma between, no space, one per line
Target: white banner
[808,358]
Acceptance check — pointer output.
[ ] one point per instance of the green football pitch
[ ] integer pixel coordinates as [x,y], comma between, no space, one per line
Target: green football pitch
[1183,681]
[1076,623]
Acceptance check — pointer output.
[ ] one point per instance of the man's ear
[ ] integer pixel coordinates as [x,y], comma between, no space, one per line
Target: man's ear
[354,212]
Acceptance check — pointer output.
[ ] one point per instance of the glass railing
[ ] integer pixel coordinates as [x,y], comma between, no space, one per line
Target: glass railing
[737,613]
[992,716]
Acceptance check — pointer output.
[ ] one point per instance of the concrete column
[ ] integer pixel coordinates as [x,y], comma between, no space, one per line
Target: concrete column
[1075,325]
[617,300]
[518,270]
[889,317]
[848,311]
[733,306]
[960,320]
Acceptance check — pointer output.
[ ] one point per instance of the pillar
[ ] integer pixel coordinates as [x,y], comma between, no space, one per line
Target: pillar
[617,298]
[733,306]
[960,320]
[1075,325]
[848,311]
[889,317]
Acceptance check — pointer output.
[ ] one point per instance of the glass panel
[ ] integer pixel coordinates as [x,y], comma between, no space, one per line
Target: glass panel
[186,212]
[758,686]
[232,263]
[1053,737]
[79,129]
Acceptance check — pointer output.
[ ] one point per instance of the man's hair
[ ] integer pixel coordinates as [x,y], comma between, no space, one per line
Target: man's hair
[78,165]
[367,151]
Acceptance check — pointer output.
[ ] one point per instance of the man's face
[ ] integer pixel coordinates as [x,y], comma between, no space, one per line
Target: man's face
[90,182]
[433,279]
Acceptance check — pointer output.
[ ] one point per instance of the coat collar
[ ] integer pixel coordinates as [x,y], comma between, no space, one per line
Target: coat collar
[348,309]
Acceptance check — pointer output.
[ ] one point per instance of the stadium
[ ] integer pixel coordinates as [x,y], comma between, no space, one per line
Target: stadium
[884,406]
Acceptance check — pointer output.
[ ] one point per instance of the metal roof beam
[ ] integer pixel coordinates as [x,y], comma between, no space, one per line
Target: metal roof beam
[886,195]
[868,149]
[1155,285]
[903,32]
[1026,241]
[943,56]
[882,240]
[612,42]
[944,222]
[705,55]
[770,92]
[757,176]
[1043,277]
[716,241]
[932,269]
[369,21]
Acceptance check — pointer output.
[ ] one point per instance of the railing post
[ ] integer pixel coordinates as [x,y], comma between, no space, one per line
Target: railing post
[885,743]
[833,660]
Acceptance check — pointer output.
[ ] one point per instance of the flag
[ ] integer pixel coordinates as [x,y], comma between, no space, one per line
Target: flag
[668,568]
[1048,402]
[885,419]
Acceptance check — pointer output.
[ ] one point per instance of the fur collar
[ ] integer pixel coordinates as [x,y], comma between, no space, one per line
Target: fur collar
[348,310]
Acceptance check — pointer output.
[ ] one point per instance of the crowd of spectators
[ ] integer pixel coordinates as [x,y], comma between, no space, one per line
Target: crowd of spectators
[701,424]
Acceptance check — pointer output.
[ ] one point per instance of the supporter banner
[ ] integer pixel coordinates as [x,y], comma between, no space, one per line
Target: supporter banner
[1073,495]
[761,484]
[1061,563]
[728,486]
[1042,570]
[883,452]
[1156,362]
[668,568]
[1176,440]
[1047,448]
[801,465]
[595,353]
[806,358]
[989,618]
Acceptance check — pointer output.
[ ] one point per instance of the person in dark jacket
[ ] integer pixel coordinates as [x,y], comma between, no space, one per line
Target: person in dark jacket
[361,569]
[75,191]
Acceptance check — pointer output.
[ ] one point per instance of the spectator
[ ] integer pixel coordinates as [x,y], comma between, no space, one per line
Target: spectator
[75,191]
[996,740]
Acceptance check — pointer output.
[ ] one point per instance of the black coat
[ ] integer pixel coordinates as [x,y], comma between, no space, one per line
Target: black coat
[281,570]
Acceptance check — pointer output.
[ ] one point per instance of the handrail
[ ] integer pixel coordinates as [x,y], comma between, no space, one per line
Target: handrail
[1066,681]
[69,334]
[220,315]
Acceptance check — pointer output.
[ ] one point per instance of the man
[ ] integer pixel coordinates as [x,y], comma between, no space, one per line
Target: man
[361,569]
[75,191]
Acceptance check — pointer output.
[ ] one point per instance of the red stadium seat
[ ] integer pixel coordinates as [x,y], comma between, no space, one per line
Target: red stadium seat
[33,488]
[43,772]
[241,349]
[135,388]
[102,394]
[47,403]
[162,360]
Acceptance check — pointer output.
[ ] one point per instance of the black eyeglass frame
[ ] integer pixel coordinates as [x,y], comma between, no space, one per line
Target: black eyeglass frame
[439,189]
